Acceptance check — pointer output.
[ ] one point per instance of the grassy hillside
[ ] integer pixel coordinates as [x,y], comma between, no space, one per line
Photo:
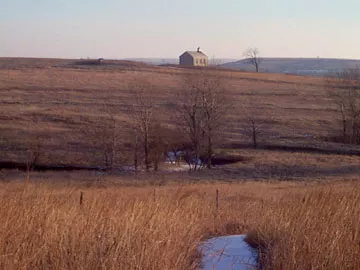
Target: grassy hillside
[296,195]
[7,63]
[60,105]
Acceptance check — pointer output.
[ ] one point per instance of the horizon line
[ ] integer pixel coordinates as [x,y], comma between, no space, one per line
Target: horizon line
[133,58]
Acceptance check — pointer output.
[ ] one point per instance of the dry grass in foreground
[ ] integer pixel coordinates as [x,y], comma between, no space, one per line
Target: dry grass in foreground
[297,225]
[320,232]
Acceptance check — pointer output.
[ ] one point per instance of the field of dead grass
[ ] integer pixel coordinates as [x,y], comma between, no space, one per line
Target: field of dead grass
[319,231]
[67,101]
[127,222]
[294,225]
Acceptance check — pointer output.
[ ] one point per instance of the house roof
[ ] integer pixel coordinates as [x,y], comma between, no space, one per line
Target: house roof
[196,54]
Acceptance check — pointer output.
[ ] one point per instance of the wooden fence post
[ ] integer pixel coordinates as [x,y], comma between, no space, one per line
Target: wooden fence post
[81,197]
[217,201]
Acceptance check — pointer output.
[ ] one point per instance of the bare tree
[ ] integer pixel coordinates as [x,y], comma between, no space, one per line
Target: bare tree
[344,89]
[254,128]
[145,120]
[34,144]
[214,106]
[192,116]
[253,115]
[252,57]
[135,149]
[176,144]
[103,135]
[203,110]
[143,116]
[159,143]
[110,139]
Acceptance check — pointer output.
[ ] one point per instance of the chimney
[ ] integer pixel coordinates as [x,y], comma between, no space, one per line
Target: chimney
[198,49]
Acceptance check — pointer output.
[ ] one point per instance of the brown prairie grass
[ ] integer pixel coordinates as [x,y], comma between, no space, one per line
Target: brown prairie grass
[320,232]
[66,101]
[294,225]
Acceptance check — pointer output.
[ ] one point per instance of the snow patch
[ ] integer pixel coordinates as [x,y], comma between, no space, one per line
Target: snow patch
[177,168]
[228,252]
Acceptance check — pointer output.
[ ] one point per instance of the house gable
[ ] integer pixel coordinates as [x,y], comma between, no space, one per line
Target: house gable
[187,59]
[193,58]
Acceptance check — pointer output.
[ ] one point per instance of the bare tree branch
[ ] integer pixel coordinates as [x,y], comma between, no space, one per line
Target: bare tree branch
[203,109]
[252,57]
[344,90]
[146,124]
[103,135]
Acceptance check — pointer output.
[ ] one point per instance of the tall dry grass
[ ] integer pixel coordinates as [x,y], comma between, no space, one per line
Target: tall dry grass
[318,230]
[43,226]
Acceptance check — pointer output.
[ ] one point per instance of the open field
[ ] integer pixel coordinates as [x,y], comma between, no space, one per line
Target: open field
[60,103]
[296,195]
[297,225]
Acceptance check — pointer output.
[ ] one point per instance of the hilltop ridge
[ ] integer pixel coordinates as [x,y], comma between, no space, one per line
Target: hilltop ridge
[298,66]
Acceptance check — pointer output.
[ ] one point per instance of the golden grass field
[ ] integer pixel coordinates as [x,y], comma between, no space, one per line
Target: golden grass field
[300,208]
[67,100]
[294,225]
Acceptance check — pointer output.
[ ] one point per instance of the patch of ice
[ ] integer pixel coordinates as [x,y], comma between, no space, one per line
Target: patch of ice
[228,252]
[177,168]
[173,157]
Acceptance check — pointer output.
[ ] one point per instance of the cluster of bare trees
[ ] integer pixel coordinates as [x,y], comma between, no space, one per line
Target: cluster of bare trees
[203,110]
[198,118]
[344,89]
[139,143]
[199,115]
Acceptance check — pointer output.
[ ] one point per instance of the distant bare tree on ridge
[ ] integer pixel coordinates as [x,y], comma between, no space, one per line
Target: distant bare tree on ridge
[252,57]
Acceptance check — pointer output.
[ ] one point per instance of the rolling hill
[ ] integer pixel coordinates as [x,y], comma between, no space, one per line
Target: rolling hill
[298,66]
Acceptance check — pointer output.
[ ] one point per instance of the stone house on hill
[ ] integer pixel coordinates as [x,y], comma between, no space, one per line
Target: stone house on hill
[193,58]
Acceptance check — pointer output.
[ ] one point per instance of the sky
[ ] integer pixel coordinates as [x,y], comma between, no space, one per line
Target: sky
[166,28]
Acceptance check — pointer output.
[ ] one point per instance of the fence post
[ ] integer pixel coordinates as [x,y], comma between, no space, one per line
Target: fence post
[81,197]
[217,201]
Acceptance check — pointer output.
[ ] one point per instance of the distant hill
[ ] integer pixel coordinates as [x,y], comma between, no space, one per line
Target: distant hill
[298,66]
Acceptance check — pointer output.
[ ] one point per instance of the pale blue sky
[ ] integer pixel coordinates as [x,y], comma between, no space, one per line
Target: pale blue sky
[165,28]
